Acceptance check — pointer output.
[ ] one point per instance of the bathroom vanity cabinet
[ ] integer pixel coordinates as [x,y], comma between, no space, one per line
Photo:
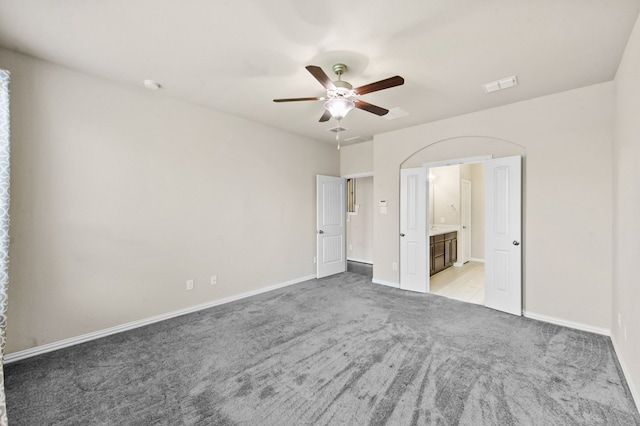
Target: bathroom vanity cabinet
[443,251]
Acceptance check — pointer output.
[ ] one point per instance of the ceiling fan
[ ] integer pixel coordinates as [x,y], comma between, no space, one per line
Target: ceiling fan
[341,96]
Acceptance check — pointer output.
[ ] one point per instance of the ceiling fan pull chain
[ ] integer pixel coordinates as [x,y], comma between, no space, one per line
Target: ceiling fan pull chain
[338,134]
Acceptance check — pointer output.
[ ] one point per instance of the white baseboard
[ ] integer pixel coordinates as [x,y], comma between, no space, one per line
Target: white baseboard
[570,324]
[635,394]
[368,262]
[387,283]
[49,347]
[475,259]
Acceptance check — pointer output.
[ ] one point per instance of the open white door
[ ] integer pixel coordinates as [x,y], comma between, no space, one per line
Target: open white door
[503,231]
[414,249]
[465,216]
[330,202]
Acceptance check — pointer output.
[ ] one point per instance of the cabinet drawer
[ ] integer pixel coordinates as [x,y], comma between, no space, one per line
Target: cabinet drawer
[450,235]
[437,238]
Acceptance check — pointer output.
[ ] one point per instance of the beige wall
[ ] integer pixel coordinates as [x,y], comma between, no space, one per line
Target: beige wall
[356,159]
[477,211]
[566,140]
[120,195]
[360,225]
[626,236]
[445,190]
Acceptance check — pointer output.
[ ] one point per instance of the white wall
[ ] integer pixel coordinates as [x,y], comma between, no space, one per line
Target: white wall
[566,140]
[360,225]
[626,235]
[120,195]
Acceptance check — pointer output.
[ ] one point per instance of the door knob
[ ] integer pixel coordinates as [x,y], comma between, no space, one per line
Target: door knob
[515,243]
[321,232]
[401,234]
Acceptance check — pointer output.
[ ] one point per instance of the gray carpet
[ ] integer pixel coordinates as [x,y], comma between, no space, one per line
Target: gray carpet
[361,268]
[336,351]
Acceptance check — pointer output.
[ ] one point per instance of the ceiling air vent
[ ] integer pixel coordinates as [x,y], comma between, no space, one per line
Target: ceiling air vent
[358,139]
[505,83]
[337,129]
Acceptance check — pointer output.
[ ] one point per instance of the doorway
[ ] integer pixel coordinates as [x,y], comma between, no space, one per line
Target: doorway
[456,197]
[503,219]
[360,225]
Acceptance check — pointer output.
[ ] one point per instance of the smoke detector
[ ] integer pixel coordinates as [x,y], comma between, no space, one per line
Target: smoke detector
[151,85]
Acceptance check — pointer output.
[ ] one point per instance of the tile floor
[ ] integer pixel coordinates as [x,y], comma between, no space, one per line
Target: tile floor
[465,283]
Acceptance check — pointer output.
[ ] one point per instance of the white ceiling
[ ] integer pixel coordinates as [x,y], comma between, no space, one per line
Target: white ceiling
[236,56]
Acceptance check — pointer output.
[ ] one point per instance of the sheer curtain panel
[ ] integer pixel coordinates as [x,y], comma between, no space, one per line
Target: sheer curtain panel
[4,228]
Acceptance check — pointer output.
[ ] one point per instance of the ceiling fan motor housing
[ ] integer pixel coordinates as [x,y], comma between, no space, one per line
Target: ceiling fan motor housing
[343,90]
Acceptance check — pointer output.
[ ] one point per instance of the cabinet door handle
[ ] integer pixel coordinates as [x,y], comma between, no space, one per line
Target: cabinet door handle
[516,243]
[401,234]
[321,232]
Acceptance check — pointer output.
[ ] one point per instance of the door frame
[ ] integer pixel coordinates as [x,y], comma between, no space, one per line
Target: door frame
[465,209]
[356,176]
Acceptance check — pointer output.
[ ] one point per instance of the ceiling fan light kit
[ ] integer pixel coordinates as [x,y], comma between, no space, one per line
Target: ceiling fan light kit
[341,97]
[339,107]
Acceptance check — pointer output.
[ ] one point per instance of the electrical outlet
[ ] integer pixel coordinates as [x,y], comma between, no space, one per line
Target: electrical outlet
[214,279]
[350,246]
[315,259]
[394,266]
[189,284]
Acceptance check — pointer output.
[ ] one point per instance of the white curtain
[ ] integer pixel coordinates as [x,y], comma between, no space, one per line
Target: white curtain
[4,228]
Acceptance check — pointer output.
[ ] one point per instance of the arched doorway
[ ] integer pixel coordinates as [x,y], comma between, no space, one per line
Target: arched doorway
[423,247]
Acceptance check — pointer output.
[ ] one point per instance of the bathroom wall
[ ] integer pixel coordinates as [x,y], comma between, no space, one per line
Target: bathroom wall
[477,211]
[446,195]
[445,188]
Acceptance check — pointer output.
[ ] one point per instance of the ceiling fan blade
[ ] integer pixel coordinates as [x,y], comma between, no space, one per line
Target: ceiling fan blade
[371,108]
[379,85]
[298,99]
[321,76]
[325,117]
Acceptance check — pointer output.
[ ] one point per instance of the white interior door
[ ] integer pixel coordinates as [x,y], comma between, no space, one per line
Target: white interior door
[414,250]
[330,202]
[465,213]
[503,230]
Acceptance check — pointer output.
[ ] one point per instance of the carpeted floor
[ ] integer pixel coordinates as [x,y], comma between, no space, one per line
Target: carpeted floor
[336,351]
